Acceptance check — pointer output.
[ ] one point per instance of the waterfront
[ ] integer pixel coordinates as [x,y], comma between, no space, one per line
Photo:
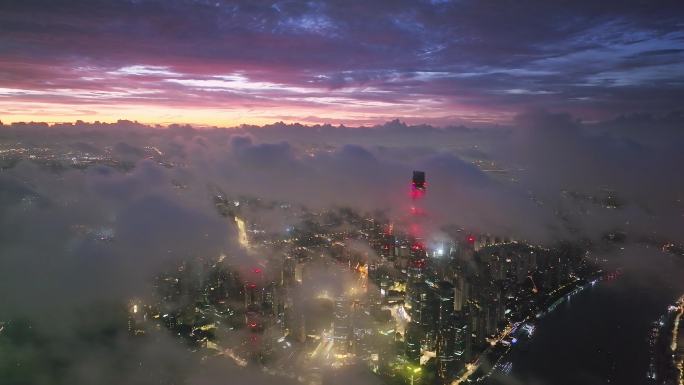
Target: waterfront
[600,335]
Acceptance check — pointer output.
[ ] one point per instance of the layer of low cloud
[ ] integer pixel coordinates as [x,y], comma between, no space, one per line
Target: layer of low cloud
[509,181]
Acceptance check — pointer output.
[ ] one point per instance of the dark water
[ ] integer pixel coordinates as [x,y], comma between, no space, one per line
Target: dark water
[600,335]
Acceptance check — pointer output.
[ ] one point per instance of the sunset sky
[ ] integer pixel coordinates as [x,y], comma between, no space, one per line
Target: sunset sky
[342,62]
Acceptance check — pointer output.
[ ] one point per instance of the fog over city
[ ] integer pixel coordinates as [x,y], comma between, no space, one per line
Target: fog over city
[402,192]
[511,181]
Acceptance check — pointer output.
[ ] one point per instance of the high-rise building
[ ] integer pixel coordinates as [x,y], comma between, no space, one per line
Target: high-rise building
[423,313]
[341,325]
[419,296]
[288,272]
[415,274]
[423,309]
[467,333]
[462,339]
[412,338]
[418,180]
[460,293]
[446,333]
[254,298]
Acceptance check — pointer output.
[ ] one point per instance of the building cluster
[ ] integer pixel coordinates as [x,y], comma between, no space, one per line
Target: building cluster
[340,288]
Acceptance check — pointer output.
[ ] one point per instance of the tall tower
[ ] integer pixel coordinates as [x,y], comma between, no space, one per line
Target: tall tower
[418,183]
[417,257]
[254,300]
[418,295]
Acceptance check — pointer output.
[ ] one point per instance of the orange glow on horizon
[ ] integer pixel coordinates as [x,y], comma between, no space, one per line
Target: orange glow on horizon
[201,116]
[150,115]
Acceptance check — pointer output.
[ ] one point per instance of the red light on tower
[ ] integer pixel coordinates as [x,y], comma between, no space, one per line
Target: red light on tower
[418,185]
[257,270]
[416,193]
[414,228]
[471,239]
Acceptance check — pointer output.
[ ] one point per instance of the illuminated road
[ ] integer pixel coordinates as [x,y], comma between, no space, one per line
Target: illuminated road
[242,232]
[676,356]
[472,368]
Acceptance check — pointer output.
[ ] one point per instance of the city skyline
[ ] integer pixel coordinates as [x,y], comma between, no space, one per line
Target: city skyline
[309,192]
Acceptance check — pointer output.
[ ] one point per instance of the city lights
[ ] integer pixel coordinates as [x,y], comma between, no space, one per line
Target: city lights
[311,192]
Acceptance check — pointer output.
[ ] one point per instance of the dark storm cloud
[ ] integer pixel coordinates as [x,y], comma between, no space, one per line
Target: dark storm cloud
[452,58]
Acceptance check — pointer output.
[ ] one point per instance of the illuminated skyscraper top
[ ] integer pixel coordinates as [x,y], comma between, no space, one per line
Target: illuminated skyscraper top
[418,185]
[419,180]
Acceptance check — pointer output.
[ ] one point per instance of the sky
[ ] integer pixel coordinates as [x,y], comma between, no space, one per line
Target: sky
[441,62]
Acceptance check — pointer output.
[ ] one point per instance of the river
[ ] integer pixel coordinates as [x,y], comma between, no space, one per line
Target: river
[600,335]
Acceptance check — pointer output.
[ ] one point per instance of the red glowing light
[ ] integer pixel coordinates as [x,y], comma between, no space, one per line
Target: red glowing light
[257,270]
[252,325]
[470,239]
[251,286]
[419,263]
[415,230]
[390,229]
[417,193]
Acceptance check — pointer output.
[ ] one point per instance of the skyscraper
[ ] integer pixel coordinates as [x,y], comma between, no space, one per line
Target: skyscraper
[419,180]
[446,336]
